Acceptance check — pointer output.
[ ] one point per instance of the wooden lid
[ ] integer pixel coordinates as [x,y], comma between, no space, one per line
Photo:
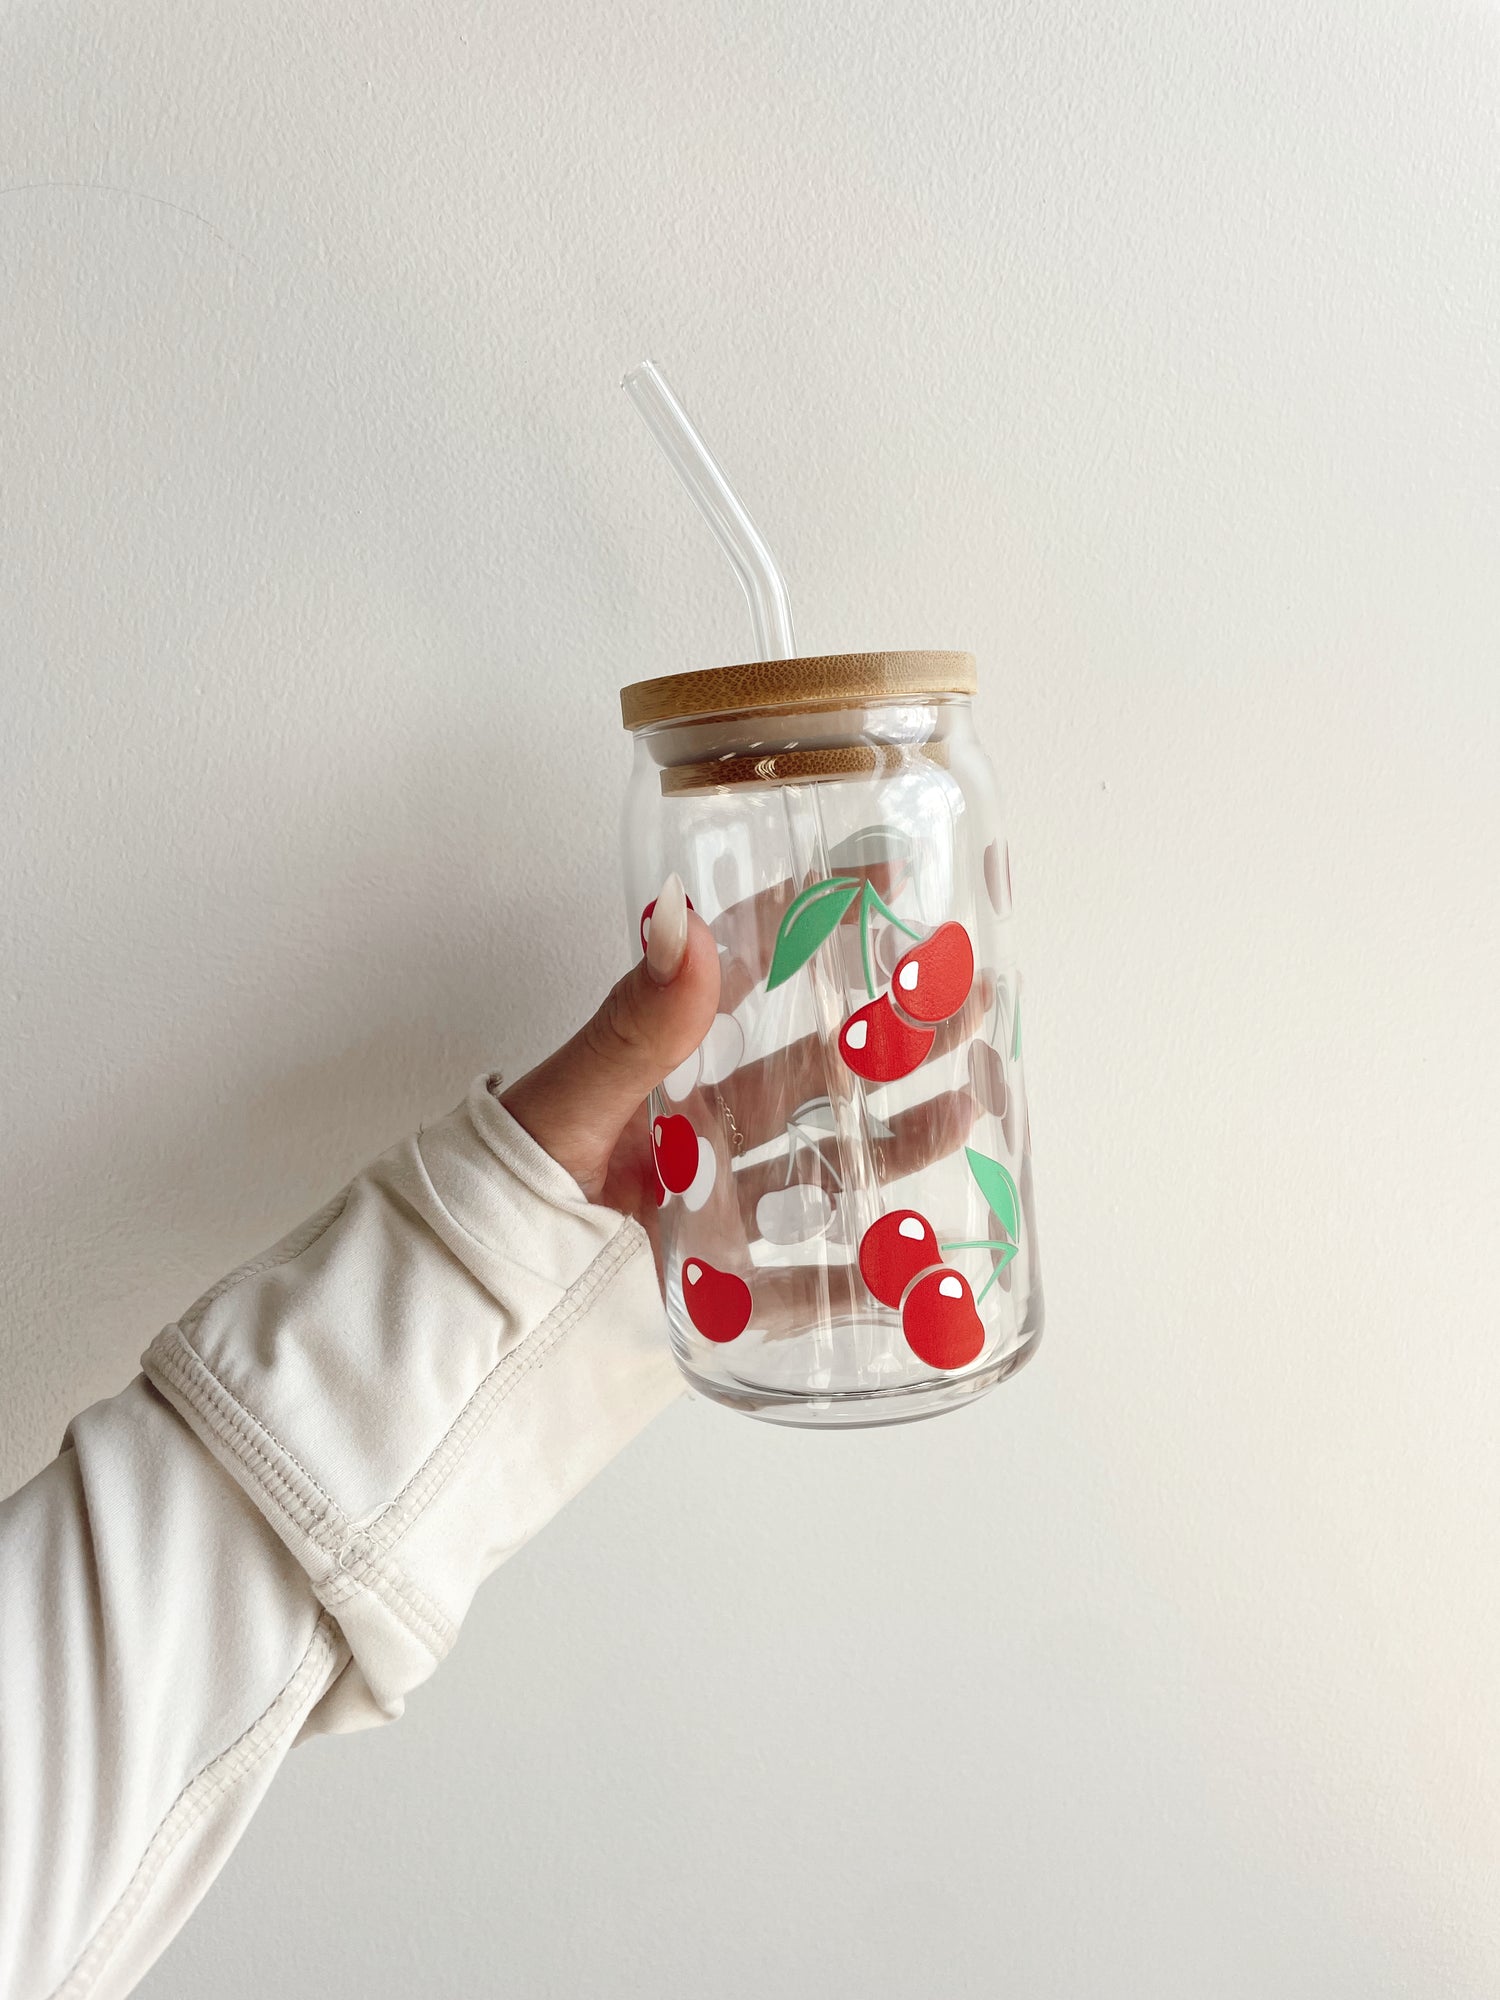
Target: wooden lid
[821,680]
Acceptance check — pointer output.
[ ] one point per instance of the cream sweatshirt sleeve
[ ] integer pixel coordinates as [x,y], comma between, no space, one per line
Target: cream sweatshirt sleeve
[279,1527]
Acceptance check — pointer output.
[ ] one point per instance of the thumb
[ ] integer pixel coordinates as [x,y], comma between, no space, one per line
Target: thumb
[578,1102]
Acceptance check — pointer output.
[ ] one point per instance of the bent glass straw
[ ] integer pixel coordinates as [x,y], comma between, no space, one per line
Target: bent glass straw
[722,508]
[771,616]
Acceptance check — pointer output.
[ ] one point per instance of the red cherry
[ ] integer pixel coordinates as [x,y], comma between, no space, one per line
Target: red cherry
[941,1321]
[718,1302]
[646,919]
[879,1046]
[675,1144]
[893,1250]
[932,981]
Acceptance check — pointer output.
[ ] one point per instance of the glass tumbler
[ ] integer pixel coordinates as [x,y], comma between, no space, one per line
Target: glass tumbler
[844,1164]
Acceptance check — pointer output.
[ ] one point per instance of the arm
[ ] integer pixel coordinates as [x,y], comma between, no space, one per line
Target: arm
[279,1527]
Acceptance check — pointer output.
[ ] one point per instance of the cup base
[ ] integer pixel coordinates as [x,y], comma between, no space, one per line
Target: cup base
[863,1409]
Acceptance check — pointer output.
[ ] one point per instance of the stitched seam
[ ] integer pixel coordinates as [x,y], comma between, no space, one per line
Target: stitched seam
[191,1375]
[241,1432]
[320,1519]
[392,1522]
[478,1412]
[347,1582]
[295,1490]
[496,1385]
[194,1800]
[401,1596]
[244,1422]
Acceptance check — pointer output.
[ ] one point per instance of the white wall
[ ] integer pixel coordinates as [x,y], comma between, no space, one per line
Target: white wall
[1152,351]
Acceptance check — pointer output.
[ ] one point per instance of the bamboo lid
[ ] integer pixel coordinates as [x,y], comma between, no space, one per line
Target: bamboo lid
[823,680]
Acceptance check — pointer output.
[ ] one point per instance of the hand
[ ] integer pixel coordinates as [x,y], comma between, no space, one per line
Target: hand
[769,1120]
[585,1104]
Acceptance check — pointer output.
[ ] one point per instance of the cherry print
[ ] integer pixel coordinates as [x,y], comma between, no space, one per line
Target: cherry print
[675,1145]
[894,1250]
[941,1321]
[794,1214]
[718,1302]
[879,1046]
[889,945]
[716,1057]
[932,981]
[705,1174]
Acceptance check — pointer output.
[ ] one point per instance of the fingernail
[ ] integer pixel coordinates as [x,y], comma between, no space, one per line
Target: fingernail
[666,945]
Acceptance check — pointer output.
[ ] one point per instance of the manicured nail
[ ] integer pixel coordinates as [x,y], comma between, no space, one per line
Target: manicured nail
[666,943]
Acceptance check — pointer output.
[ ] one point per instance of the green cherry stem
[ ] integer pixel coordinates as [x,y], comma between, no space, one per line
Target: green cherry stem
[984,1243]
[864,941]
[871,896]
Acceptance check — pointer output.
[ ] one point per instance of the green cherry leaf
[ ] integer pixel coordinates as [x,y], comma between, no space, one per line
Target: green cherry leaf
[810,918]
[998,1187]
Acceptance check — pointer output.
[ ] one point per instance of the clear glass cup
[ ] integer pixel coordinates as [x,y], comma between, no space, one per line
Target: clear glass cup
[846,1227]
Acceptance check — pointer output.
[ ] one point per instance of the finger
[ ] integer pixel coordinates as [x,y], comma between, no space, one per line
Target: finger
[927,1132]
[578,1102]
[764,1095]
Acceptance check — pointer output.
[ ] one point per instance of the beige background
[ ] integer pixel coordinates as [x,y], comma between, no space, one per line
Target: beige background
[1153,352]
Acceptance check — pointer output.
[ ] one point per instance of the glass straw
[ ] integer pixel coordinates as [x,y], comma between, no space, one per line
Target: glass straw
[807,841]
[719,504]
